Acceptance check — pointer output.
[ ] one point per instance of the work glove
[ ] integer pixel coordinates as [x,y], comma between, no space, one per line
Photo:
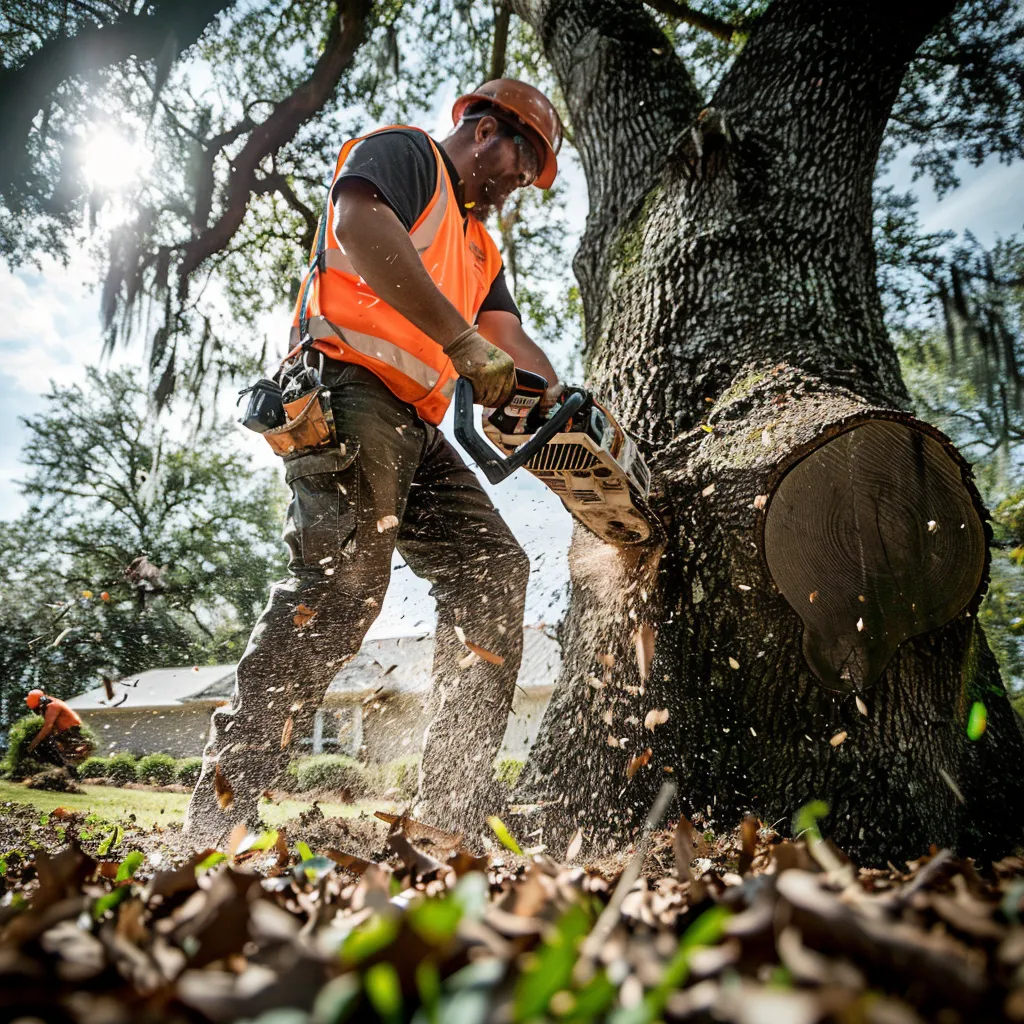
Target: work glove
[491,371]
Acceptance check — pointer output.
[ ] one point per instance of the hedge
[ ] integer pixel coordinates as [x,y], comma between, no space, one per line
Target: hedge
[94,767]
[17,764]
[156,769]
[332,772]
[188,770]
[122,769]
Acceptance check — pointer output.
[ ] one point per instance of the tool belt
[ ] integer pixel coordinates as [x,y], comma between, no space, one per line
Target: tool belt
[292,410]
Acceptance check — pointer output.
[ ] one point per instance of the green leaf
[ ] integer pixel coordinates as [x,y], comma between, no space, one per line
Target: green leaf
[251,842]
[305,853]
[805,821]
[211,861]
[550,969]
[108,901]
[370,937]
[336,1000]
[428,985]
[435,920]
[977,721]
[384,991]
[129,866]
[44,819]
[503,834]
[110,842]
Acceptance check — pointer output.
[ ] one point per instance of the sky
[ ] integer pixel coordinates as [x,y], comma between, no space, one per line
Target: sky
[50,331]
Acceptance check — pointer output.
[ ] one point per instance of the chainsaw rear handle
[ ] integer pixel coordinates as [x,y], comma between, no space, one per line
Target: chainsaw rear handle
[497,467]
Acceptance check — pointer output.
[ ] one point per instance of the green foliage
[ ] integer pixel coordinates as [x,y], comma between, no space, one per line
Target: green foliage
[156,769]
[508,771]
[107,484]
[188,771]
[94,768]
[331,772]
[122,768]
[17,762]
[805,821]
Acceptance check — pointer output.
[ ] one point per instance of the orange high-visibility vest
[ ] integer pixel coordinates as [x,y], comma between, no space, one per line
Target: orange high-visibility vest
[348,321]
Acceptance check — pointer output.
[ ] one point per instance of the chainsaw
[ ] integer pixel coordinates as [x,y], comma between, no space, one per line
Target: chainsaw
[579,451]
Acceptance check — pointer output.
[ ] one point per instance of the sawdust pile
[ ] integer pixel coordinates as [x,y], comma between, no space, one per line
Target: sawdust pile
[742,928]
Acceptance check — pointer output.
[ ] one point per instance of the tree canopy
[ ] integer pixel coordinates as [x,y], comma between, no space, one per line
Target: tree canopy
[139,548]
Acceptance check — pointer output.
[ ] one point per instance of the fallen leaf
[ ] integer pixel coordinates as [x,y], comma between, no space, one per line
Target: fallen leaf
[748,840]
[684,849]
[387,523]
[575,845]
[221,786]
[643,642]
[303,615]
[707,429]
[837,739]
[286,732]
[637,762]
[608,660]
[655,717]
[503,834]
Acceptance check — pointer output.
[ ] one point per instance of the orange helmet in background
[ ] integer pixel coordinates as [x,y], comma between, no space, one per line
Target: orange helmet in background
[531,108]
[33,697]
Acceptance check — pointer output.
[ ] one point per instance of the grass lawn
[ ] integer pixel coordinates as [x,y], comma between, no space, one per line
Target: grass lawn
[152,808]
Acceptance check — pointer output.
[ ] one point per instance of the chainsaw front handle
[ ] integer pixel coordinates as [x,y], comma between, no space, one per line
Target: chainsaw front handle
[495,466]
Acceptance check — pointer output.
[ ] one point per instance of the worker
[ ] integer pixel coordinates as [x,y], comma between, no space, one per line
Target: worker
[60,739]
[406,292]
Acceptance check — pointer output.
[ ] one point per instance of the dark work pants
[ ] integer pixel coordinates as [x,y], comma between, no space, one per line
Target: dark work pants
[397,482]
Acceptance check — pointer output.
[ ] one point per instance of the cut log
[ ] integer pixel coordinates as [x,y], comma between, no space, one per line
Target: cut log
[873,538]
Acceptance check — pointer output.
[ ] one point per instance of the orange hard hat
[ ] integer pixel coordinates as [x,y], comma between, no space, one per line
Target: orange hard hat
[33,697]
[531,108]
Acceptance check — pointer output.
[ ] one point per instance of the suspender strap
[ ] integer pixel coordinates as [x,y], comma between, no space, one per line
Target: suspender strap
[316,267]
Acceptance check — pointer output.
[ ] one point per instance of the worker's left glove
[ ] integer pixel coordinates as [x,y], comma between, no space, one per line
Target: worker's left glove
[491,371]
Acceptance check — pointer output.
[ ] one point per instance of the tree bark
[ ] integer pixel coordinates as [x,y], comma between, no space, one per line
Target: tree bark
[734,324]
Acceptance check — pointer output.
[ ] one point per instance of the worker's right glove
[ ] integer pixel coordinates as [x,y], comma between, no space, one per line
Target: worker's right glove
[491,371]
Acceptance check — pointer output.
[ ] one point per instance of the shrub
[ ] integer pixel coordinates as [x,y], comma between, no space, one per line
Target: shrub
[334,772]
[17,763]
[188,770]
[398,779]
[122,769]
[94,768]
[156,769]
[508,770]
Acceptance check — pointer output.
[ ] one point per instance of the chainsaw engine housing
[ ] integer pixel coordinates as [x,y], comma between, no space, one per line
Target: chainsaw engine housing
[596,471]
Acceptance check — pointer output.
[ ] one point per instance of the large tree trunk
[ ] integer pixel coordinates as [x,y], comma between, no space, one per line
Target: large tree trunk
[825,552]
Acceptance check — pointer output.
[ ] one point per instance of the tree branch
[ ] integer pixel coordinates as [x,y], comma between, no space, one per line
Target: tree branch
[172,27]
[344,38]
[685,13]
[277,181]
[502,16]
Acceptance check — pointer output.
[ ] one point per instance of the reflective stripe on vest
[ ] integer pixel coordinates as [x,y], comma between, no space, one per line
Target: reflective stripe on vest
[348,321]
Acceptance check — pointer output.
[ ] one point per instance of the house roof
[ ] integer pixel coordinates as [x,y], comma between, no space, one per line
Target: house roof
[398,664]
[160,687]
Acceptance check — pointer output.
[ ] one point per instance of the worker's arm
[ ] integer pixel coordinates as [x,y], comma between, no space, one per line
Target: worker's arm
[382,254]
[40,736]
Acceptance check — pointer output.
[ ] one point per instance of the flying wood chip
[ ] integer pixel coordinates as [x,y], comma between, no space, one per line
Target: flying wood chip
[644,643]
[108,687]
[636,763]
[655,717]
[221,786]
[303,615]
[286,732]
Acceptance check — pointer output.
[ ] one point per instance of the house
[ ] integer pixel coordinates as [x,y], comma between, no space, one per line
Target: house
[374,709]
